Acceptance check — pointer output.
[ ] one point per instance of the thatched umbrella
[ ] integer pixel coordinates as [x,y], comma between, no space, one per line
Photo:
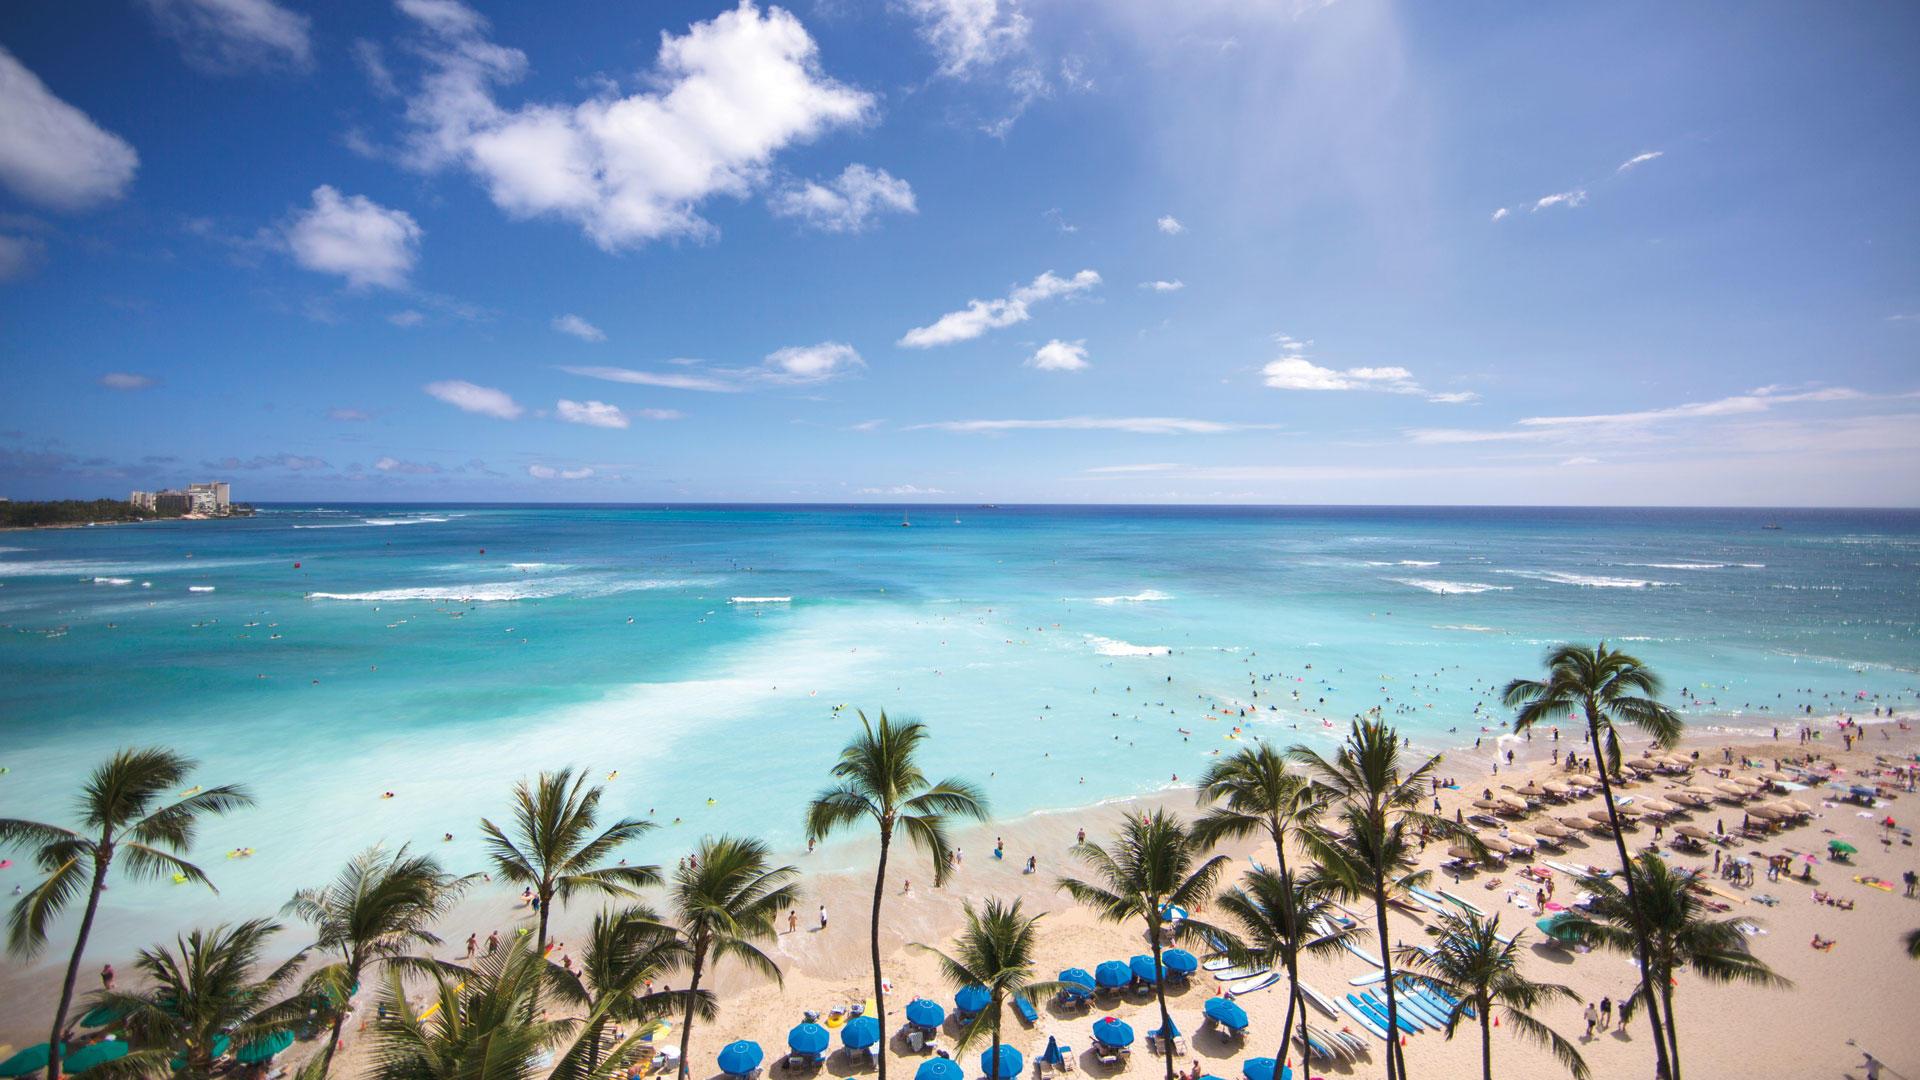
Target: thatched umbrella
[1463,854]
[1734,790]
[1496,843]
[1512,805]
[1532,789]
[1556,787]
[1694,832]
[1552,829]
[1485,804]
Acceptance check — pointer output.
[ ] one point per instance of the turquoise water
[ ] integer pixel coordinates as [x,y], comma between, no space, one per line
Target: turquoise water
[1064,655]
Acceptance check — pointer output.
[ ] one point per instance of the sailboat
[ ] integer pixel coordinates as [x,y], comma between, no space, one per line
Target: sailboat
[904,523]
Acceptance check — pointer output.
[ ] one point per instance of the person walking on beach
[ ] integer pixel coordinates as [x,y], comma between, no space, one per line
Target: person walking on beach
[1593,1018]
[823,916]
[493,942]
[793,921]
[473,944]
[106,970]
[1913,882]
[1606,1013]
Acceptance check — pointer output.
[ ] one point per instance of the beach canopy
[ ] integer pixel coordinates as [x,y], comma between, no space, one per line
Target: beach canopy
[1549,828]
[1172,1032]
[1485,804]
[101,1016]
[31,1060]
[1551,926]
[1112,973]
[1464,854]
[1143,968]
[1172,913]
[99,1053]
[939,1068]
[1180,961]
[260,1050]
[1261,1068]
[1080,979]
[1842,845]
[740,1057]
[810,1038]
[1109,1031]
[1694,831]
[1227,1013]
[924,1013]
[1011,1063]
[971,999]
[860,1033]
[220,1044]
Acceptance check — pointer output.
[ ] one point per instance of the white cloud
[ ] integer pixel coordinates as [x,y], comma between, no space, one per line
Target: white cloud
[968,35]
[900,489]
[847,203]
[1293,370]
[795,365]
[1060,221]
[659,414]
[410,468]
[1638,160]
[980,316]
[348,416]
[1501,213]
[1153,467]
[1138,425]
[668,379]
[407,318]
[1637,425]
[548,472]
[1568,199]
[723,99]
[591,413]
[1164,286]
[578,327]
[354,237]
[50,152]
[1057,355]
[1454,397]
[1577,461]
[19,256]
[484,400]
[231,35]
[1171,225]
[812,363]
[868,425]
[125,380]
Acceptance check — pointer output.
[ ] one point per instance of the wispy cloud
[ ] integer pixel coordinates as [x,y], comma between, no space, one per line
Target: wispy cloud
[407,319]
[1164,286]
[847,203]
[408,468]
[980,316]
[591,413]
[671,380]
[467,397]
[1576,197]
[1137,425]
[969,35]
[548,472]
[348,416]
[795,365]
[1057,355]
[1060,221]
[900,489]
[225,36]
[1638,423]
[808,363]
[125,380]
[1638,160]
[575,326]
[1152,467]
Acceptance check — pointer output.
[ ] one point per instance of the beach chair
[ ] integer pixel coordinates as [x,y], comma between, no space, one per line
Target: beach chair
[1025,1011]
[1106,1055]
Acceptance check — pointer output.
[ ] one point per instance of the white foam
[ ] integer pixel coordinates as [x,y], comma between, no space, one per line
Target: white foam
[378,522]
[113,581]
[1680,565]
[759,599]
[1106,646]
[1416,562]
[493,592]
[1469,627]
[1444,588]
[1586,581]
[199,588]
[1146,596]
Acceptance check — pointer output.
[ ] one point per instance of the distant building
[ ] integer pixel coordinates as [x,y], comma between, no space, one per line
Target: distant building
[172,503]
[210,498]
[141,500]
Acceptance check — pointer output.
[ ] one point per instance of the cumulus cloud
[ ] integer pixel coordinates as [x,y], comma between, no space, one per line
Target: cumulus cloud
[223,36]
[812,363]
[1137,425]
[354,237]
[468,397]
[1501,213]
[125,380]
[1294,370]
[1164,286]
[591,413]
[847,203]
[1171,225]
[980,316]
[408,468]
[548,472]
[968,35]
[722,100]
[1057,355]
[52,153]
[578,327]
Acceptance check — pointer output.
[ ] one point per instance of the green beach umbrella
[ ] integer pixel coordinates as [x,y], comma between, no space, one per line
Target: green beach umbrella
[88,1056]
[30,1060]
[1842,845]
[102,1015]
[220,1044]
[264,1049]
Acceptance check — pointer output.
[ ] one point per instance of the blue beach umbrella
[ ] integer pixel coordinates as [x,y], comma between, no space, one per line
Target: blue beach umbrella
[1263,1069]
[1111,1032]
[939,1068]
[1055,1053]
[1011,1064]
[1180,961]
[808,1038]
[1172,913]
[1143,968]
[1079,977]
[860,1033]
[88,1056]
[1172,1031]
[261,1050]
[740,1057]
[31,1060]
[1226,1013]
[1112,973]
[971,999]
[924,1013]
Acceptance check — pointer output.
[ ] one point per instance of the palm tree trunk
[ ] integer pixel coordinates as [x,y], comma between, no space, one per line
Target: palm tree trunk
[693,992]
[880,983]
[326,1056]
[995,1062]
[1160,983]
[103,858]
[546,908]
[1673,1035]
[1286,1029]
[1291,955]
[1486,1043]
[1394,1054]
[1662,1067]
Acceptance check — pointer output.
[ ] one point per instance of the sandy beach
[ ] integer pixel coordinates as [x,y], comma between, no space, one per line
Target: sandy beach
[1818,1028]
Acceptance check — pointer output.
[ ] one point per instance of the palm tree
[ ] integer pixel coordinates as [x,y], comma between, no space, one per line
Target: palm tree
[995,950]
[1282,919]
[482,1025]
[1253,793]
[378,909]
[625,951]
[122,813]
[1661,917]
[1480,972]
[202,999]
[1151,866]
[1607,688]
[879,780]
[554,848]
[725,899]
[1375,798]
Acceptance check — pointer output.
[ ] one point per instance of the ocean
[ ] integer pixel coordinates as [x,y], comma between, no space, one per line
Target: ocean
[704,662]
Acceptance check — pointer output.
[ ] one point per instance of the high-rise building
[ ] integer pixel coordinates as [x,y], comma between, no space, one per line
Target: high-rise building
[172,503]
[141,500]
[210,498]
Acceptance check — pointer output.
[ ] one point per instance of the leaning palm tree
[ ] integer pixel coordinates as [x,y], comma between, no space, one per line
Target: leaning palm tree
[378,910]
[1606,689]
[202,999]
[554,848]
[996,951]
[879,780]
[625,951]
[1478,971]
[725,899]
[1375,799]
[1281,920]
[1254,793]
[482,1025]
[124,812]
[1154,864]
[1661,916]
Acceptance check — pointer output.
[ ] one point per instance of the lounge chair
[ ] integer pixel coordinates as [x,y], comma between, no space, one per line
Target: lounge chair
[1025,1010]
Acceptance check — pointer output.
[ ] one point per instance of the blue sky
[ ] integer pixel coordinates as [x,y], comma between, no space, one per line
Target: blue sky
[962,250]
